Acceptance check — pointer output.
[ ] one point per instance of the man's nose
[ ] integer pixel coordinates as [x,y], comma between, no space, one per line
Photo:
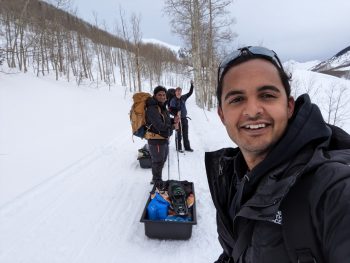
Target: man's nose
[252,108]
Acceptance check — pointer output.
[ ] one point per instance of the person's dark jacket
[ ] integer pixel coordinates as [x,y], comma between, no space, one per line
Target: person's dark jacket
[308,147]
[158,119]
[179,104]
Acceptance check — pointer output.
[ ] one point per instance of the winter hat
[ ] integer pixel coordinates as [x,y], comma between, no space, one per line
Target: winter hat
[158,89]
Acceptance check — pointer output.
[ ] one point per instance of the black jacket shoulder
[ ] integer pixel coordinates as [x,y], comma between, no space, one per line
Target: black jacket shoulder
[157,118]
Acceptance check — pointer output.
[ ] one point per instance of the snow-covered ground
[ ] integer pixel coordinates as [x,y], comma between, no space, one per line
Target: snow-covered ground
[71,188]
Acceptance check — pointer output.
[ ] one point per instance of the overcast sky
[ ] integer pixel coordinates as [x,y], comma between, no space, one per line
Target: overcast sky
[302,30]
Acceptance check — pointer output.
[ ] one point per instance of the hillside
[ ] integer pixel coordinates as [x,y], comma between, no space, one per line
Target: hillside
[37,36]
[338,65]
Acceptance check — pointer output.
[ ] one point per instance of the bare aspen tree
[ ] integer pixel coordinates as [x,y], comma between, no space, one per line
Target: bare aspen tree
[19,38]
[204,26]
[196,17]
[126,44]
[45,53]
[210,59]
[330,102]
[21,54]
[108,50]
[137,36]
[184,18]
[340,112]
[97,50]
[9,52]
[120,58]
[121,64]
[72,55]
[2,57]
[310,86]
[335,106]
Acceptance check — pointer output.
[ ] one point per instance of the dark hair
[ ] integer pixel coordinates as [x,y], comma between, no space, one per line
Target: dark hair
[285,78]
[158,89]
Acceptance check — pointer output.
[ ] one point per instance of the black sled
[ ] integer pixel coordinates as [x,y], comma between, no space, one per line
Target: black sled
[169,228]
[144,157]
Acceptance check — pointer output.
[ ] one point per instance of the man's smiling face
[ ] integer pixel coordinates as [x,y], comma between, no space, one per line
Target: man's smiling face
[255,108]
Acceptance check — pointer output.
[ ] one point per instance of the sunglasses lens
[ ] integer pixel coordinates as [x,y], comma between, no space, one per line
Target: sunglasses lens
[248,50]
[263,51]
[232,56]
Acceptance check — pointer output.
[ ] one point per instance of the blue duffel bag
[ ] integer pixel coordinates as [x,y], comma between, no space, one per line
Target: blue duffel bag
[157,209]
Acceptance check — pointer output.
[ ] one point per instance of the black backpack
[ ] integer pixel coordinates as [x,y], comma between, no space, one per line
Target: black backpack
[169,95]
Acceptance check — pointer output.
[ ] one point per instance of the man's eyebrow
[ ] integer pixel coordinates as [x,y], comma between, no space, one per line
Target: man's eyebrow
[269,87]
[233,93]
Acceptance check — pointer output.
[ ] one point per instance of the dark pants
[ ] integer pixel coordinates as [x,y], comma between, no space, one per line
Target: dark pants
[158,150]
[183,132]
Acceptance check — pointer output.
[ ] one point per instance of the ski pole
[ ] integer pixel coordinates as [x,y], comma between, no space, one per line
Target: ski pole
[168,162]
[182,143]
[178,161]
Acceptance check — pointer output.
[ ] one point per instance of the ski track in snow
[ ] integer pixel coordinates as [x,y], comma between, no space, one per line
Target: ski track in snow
[80,215]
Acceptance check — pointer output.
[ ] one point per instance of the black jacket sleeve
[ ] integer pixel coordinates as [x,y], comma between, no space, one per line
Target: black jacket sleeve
[187,95]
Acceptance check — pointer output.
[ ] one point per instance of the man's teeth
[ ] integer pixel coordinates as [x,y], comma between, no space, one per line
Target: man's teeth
[255,126]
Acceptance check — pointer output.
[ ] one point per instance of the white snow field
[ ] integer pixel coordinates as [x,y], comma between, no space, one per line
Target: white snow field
[71,188]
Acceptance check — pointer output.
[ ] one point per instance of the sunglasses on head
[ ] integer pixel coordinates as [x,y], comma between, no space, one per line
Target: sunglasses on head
[246,51]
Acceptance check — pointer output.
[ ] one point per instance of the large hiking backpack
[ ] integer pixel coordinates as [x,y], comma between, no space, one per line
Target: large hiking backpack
[138,114]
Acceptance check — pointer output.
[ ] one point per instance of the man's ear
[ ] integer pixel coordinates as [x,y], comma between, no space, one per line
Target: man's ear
[291,105]
[221,114]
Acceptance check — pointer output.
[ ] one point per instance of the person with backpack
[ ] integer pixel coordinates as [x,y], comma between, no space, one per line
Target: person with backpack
[159,128]
[177,107]
[283,194]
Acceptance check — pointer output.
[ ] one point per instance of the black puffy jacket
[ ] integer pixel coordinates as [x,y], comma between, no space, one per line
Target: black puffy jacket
[157,118]
[309,146]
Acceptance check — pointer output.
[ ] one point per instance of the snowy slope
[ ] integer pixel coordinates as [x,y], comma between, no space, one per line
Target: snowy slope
[292,64]
[71,187]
